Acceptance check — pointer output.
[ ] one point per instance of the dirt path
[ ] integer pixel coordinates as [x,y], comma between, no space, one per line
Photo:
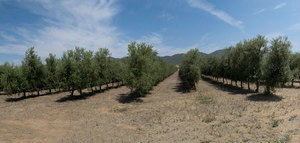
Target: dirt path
[211,114]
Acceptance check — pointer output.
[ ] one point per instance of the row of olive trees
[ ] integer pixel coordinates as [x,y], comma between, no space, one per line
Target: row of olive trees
[76,70]
[144,68]
[253,61]
[189,71]
[79,69]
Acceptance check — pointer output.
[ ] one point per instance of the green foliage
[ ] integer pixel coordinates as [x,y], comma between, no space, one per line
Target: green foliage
[140,65]
[190,68]
[76,70]
[33,70]
[144,68]
[2,69]
[13,80]
[51,72]
[295,66]
[255,50]
[250,61]
[101,64]
[66,71]
[276,68]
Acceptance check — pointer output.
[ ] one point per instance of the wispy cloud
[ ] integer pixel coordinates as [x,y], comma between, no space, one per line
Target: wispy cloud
[295,27]
[259,11]
[206,6]
[158,42]
[68,24]
[204,44]
[280,5]
[271,36]
[7,37]
[166,16]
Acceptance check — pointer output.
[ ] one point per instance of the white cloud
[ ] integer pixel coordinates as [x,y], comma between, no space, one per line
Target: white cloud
[204,44]
[7,37]
[206,6]
[279,5]
[259,11]
[73,23]
[166,16]
[295,27]
[163,49]
[271,36]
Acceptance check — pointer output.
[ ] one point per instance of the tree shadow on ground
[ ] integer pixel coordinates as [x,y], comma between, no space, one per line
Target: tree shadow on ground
[2,93]
[227,87]
[291,87]
[129,98]
[83,96]
[29,96]
[182,88]
[264,97]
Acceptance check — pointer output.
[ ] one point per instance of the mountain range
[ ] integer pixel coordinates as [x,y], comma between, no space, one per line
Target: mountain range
[177,58]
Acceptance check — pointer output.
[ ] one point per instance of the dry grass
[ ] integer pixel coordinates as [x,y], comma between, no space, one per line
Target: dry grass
[213,113]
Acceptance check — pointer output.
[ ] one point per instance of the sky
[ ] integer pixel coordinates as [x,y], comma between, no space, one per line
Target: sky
[171,26]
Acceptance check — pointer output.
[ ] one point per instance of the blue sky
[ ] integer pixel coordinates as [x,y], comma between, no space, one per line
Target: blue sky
[172,26]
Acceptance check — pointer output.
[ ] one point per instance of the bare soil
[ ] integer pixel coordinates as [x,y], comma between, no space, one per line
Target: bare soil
[213,113]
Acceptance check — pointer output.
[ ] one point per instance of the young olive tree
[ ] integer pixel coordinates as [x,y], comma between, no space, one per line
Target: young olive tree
[51,73]
[2,69]
[13,80]
[190,68]
[140,63]
[255,50]
[66,71]
[101,61]
[276,68]
[33,71]
[295,67]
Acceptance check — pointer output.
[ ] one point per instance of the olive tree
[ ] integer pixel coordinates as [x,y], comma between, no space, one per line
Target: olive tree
[190,68]
[33,70]
[139,66]
[51,73]
[66,71]
[13,80]
[276,68]
[255,50]
[295,66]
[101,64]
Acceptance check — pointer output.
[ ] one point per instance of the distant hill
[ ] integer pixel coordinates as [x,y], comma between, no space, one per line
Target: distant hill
[218,52]
[177,58]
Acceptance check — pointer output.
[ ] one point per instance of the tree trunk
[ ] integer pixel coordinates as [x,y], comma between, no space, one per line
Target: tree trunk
[100,87]
[248,85]
[241,84]
[282,84]
[50,91]
[236,83]
[24,94]
[72,92]
[80,91]
[292,82]
[223,80]
[267,90]
[257,86]
[106,85]
[38,92]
